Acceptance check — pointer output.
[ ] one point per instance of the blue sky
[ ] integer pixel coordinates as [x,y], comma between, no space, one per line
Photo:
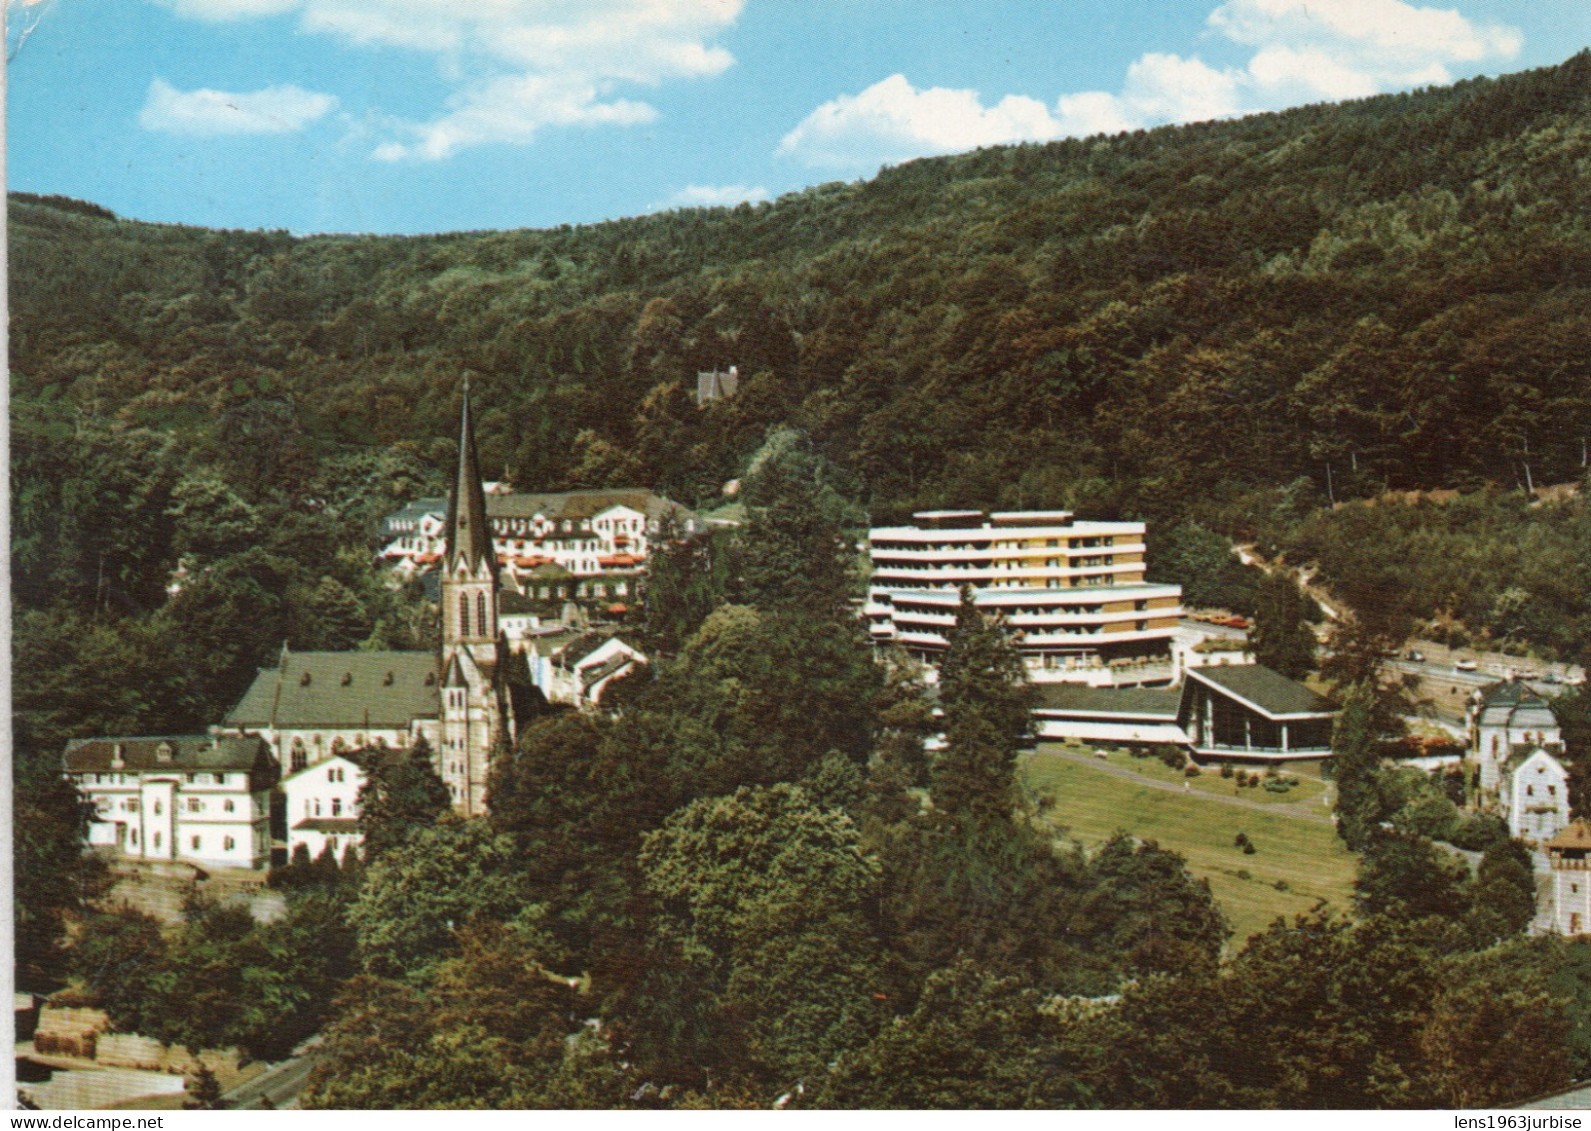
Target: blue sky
[440,115]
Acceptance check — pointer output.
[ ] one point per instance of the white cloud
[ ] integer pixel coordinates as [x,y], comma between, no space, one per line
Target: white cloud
[213,113]
[218,11]
[518,66]
[893,120]
[715,196]
[1304,51]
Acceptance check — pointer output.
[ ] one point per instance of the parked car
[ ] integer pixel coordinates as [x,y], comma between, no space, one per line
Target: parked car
[1465,665]
[1236,622]
[1417,657]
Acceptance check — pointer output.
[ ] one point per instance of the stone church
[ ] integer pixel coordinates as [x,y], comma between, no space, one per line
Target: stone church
[464,701]
[300,718]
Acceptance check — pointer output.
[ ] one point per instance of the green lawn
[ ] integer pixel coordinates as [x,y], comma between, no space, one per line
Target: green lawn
[1307,791]
[1090,805]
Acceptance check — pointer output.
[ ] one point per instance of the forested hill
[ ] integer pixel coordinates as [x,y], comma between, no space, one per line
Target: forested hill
[1160,323]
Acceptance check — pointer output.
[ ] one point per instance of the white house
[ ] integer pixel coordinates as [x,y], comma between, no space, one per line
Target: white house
[1503,716]
[578,669]
[204,799]
[1534,795]
[323,806]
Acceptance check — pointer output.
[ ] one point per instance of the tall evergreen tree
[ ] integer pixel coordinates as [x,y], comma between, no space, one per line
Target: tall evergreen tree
[986,696]
[793,551]
[402,792]
[1282,639]
[1356,761]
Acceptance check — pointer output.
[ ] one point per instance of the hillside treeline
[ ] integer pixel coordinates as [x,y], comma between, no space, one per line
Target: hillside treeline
[1217,327]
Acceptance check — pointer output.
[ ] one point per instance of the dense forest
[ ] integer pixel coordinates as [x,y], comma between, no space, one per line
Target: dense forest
[1229,323]
[1224,329]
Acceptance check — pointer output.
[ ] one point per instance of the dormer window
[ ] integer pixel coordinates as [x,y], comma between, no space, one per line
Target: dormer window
[163,752]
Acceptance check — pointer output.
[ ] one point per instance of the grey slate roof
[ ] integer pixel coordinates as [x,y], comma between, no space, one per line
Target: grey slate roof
[1138,702]
[189,752]
[1272,693]
[1514,703]
[329,824]
[344,689]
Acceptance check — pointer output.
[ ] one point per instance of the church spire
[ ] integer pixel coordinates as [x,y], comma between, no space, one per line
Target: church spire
[468,533]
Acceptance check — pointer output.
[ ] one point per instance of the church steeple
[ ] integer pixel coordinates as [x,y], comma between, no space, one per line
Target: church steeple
[468,533]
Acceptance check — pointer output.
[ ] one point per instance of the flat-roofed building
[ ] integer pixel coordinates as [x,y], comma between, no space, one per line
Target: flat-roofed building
[1072,593]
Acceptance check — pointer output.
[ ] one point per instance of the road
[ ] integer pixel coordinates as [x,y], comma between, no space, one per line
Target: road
[280,1084]
[1297,810]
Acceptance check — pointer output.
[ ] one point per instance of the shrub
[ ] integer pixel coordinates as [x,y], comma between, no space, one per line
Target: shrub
[1243,874]
[1226,769]
[1478,832]
[1190,771]
[1240,840]
[1282,885]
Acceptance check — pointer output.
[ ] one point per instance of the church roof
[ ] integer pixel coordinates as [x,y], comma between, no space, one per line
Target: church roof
[466,529]
[341,689]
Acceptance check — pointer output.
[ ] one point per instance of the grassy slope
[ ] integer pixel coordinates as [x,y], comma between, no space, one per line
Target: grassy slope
[1092,805]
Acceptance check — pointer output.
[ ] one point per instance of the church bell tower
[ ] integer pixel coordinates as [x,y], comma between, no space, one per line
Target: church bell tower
[476,712]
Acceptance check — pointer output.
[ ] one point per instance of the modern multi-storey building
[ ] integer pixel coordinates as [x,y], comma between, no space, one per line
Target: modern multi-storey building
[1072,592]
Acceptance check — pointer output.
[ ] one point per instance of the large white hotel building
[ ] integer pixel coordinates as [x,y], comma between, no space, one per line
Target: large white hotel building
[1073,593]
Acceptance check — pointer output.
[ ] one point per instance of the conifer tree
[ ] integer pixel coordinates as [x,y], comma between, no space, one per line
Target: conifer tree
[985,694]
[1282,639]
[1356,762]
[402,792]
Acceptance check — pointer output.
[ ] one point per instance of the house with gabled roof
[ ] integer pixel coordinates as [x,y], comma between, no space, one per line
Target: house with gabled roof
[1534,794]
[1503,716]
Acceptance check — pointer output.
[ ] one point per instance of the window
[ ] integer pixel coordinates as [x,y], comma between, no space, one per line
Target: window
[195,805]
[157,813]
[317,806]
[132,836]
[480,614]
[464,614]
[196,843]
[334,774]
[229,844]
[228,805]
[336,807]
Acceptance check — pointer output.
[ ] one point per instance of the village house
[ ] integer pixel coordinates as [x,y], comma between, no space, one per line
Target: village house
[577,667]
[1534,796]
[322,806]
[1502,717]
[204,799]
